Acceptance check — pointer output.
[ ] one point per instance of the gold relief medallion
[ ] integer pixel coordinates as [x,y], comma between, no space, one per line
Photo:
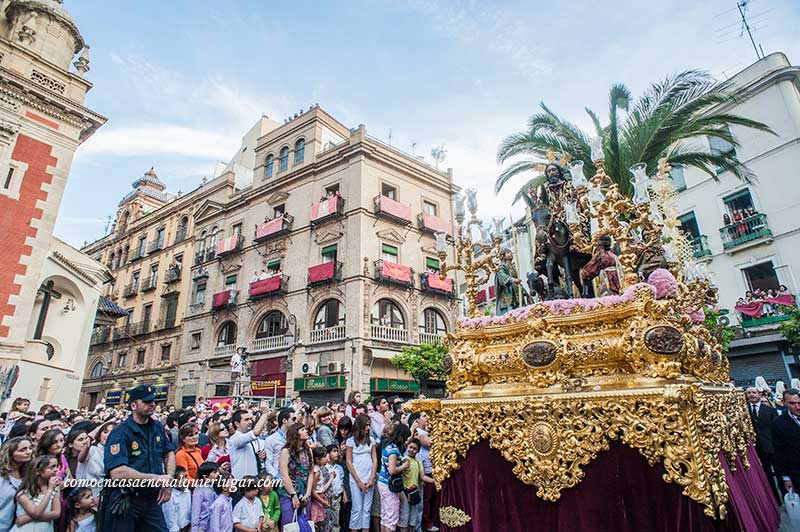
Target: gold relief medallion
[453,517]
[542,438]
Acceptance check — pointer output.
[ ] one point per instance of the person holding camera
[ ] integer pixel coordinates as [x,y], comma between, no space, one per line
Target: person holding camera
[237,364]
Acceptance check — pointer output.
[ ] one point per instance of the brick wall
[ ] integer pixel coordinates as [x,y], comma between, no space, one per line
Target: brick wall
[16,216]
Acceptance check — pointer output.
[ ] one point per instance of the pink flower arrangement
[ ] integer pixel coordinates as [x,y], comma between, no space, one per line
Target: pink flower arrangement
[664,282]
[698,316]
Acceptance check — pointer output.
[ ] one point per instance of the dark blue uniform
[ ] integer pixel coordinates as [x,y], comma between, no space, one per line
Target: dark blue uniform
[140,447]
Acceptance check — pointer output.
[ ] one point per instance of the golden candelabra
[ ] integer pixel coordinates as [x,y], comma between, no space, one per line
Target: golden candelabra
[476,271]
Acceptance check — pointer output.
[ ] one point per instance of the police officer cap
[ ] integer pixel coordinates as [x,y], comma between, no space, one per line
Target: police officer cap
[145,392]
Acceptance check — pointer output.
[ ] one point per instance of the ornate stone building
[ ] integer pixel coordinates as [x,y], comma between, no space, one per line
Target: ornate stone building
[322,267]
[43,120]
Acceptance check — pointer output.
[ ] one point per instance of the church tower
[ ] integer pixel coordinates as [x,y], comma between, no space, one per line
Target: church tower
[43,64]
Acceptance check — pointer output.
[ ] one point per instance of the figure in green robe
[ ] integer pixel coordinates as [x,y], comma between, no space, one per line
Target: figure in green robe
[507,285]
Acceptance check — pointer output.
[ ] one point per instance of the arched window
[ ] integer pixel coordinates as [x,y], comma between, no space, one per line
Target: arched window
[433,322]
[299,151]
[227,335]
[112,261]
[283,162]
[330,314]
[203,236]
[386,313]
[212,240]
[123,223]
[123,260]
[273,324]
[269,165]
[183,227]
[98,370]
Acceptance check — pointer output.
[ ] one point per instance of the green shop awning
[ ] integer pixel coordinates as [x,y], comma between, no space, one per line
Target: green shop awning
[376,384]
[312,384]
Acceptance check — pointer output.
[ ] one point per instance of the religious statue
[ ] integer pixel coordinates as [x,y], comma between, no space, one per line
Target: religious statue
[507,285]
[603,264]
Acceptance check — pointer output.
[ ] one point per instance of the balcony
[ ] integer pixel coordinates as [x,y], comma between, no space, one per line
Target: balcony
[229,246]
[431,283]
[271,343]
[700,246]
[224,299]
[101,335]
[121,332]
[327,210]
[150,283]
[428,223]
[391,273]
[327,334]
[276,285]
[392,210]
[130,289]
[389,334]
[430,338]
[747,321]
[748,230]
[325,273]
[165,323]
[139,328]
[155,246]
[277,228]
[225,350]
[172,274]
[137,254]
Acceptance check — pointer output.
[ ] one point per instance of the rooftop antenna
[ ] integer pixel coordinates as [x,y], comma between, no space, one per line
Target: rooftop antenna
[390,136]
[439,154]
[109,221]
[742,5]
[413,148]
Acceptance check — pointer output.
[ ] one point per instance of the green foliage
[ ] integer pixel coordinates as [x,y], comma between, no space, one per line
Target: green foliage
[723,333]
[790,328]
[666,121]
[424,362]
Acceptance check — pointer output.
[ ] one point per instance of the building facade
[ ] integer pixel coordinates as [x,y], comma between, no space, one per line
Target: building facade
[323,267]
[760,249]
[43,120]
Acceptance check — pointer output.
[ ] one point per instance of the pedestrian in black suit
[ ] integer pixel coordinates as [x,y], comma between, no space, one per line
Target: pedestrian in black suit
[786,440]
[762,415]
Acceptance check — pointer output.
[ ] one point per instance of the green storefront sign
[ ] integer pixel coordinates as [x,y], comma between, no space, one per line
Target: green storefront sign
[312,384]
[393,385]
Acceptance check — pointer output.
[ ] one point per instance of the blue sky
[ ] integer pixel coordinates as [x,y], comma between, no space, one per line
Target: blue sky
[182,81]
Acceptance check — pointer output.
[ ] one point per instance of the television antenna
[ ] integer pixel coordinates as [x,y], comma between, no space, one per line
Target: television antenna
[439,154]
[742,5]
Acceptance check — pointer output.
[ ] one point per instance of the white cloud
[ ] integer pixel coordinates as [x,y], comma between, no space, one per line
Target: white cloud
[161,139]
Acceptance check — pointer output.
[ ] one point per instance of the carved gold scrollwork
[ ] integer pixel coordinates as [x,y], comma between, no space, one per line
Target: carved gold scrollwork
[453,517]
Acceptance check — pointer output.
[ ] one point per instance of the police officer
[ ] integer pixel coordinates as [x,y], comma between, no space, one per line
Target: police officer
[138,449]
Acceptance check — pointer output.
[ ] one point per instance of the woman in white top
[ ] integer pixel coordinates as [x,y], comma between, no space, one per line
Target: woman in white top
[15,454]
[362,462]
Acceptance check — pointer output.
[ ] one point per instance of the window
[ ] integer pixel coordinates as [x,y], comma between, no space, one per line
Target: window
[165,352]
[230,282]
[386,313]
[389,252]
[140,357]
[279,210]
[227,335]
[129,316]
[123,223]
[762,276]
[142,245]
[332,189]
[183,227]
[200,292]
[112,262]
[721,146]
[9,177]
[274,266]
[433,322]
[741,201]
[676,174]
[689,225]
[389,191]
[124,259]
[147,312]
[153,274]
[329,253]
[203,237]
[283,162]
[432,264]
[273,324]
[121,359]
[160,238]
[135,280]
[430,208]
[195,342]
[299,151]
[98,370]
[330,314]
[269,165]
[178,261]
[237,230]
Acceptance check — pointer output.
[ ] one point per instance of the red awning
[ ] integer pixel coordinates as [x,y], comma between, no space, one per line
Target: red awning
[396,271]
[436,224]
[268,228]
[324,208]
[436,282]
[227,244]
[395,208]
[265,286]
[481,297]
[221,299]
[321,272]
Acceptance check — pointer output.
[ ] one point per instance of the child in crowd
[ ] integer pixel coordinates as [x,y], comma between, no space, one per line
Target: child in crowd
[204,496]
[321,512]
[411,498]
[178,509]
[38,498]
[270,503]
[221,514]
[338,495]
[81,507]
[248,514]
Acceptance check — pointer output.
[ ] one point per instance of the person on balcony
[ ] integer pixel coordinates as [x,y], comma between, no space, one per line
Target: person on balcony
[256,277]
[783,291]
[726,219]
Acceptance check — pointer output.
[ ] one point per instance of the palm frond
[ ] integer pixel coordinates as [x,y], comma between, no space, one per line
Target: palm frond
[596,121]
[515,169]
[522,193]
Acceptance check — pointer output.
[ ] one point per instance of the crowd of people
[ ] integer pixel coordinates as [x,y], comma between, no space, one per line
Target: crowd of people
[759,303]
[245,467]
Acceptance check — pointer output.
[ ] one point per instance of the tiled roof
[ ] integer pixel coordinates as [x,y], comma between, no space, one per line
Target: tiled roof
[111,309]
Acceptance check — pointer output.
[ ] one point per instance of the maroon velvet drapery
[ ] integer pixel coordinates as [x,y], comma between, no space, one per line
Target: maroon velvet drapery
[620,493]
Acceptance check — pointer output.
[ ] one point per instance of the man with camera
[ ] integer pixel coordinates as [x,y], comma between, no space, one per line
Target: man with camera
[237,364]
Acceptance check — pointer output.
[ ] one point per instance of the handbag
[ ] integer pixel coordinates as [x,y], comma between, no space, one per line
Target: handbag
[413,494]
[791,501]
[294,526]
[396,483]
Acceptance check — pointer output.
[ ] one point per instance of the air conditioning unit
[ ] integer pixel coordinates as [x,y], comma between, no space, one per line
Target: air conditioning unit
[310,368]
[335,367]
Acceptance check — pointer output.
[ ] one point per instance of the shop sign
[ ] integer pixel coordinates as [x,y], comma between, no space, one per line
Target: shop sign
[258,386]
[112,398]
[393,385]
[311,384]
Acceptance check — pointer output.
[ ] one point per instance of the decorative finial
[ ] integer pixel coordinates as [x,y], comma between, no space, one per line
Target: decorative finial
[82,63]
